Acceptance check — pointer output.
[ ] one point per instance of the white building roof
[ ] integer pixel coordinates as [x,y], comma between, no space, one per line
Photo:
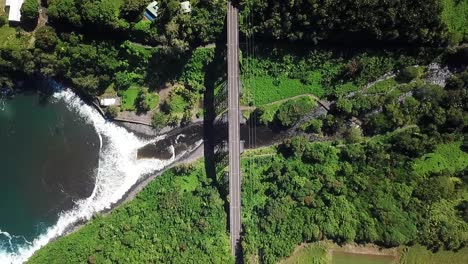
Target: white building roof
[153,8]
[108,101]
[15,7]
[185,7]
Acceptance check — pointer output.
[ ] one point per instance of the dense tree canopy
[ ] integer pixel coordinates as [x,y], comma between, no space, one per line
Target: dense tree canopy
[347,21]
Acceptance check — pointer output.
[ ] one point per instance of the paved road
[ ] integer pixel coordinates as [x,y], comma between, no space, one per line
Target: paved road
[234,127]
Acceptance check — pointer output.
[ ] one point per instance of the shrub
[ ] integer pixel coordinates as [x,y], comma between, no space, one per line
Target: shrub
[30,12]
[159,120]
[46,38]
[408,74]
[141,102]
[112,111]
[292,111]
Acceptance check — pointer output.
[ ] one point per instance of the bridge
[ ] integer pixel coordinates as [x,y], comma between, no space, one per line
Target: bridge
[233,85]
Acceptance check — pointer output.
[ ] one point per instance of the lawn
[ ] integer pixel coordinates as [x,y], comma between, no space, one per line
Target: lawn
[9,39]
[454,15]
[129,97]
[420,255]
[177,103]
[352,258]
[261,90]
[445,157]
[315,253]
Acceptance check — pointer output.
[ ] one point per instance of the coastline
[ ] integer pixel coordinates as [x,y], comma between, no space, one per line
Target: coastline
[190,156]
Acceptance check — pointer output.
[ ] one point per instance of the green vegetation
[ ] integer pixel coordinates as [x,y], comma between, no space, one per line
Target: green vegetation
[30,12]
[350,258]
[357,192]
[420,255]
[383,86]
[291,112]
[267,113]
[455,18]
[179,217]
[446,157]
[359,21]
[264,90]
[311,253]
[13,39]
[131,100]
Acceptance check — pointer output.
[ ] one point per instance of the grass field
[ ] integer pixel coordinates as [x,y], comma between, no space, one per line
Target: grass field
[455,16]
[315,253]
[350,258]
[445,157]
[129,97]
[420,255]
[263,89]
[9,39]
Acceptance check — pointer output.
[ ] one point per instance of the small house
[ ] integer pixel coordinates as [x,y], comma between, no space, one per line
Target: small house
[185,7]
[108,101]
[151,12]
[13,9]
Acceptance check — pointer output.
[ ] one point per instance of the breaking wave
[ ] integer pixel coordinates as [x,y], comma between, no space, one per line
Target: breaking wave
[118,170]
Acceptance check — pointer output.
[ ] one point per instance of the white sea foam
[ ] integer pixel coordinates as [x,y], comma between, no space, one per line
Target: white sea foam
[118,170]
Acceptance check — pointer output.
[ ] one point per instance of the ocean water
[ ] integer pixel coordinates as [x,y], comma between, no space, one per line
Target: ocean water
[60,163]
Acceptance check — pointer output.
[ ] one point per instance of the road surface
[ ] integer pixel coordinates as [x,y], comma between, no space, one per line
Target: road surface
[234,128]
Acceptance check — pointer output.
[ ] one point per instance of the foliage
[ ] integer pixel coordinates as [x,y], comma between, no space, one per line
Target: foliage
[46,38]
[112,111]
[266,113]
[358,21]
[446,157]
[203,25]
[291,111]
[194,72]
[135,98]
[408,74]
[159,120]
[264,90]
[132,10]
[366,192]
[177,218]
[454,16]
[30,12]
[64,11]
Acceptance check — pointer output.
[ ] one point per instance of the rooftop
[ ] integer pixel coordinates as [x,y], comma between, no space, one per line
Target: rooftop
[152,11]
[14,6]
[185,7]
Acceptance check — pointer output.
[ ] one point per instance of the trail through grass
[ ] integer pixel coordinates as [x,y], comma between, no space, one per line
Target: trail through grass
[266,89]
